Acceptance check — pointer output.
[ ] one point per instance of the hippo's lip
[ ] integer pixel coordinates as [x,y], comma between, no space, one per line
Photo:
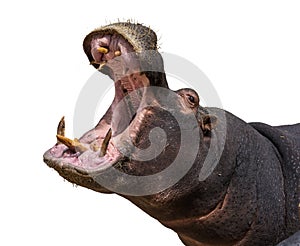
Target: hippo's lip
[60,157]
[115,57]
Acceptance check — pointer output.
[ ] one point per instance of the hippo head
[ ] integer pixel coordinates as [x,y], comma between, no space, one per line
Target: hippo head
[146,126]
[178,161]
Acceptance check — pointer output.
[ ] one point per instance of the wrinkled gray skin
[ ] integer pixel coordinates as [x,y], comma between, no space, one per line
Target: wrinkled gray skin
[250,198]
[293,240]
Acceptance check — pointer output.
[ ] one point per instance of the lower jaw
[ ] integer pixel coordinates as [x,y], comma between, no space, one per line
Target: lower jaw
[92,160]
[129,92]
[76,164]
[75,174]
[61,157]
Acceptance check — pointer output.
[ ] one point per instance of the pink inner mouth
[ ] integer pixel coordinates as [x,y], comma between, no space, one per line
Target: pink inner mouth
[116,57]
[86,160]
[121,63]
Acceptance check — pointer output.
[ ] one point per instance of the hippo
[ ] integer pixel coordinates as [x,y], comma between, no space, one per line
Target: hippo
[250,191]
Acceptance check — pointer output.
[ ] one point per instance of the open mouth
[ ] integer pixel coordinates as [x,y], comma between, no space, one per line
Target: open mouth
[112,52]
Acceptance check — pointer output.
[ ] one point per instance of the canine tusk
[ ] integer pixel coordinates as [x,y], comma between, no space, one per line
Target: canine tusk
[73,145]
[105,143]
[61,127]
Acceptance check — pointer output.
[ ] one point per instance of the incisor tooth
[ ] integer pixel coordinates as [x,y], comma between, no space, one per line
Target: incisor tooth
[102,50]
[117,53]
[94,62]
[102,64]
[105,143]
[73,145]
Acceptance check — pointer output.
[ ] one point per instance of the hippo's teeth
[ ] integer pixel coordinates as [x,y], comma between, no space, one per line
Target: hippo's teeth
[94,62]
[117,53]
[94,147]
[102,64]
[66,141]
[102,50]
[73,145]
[61,127]
[105,143]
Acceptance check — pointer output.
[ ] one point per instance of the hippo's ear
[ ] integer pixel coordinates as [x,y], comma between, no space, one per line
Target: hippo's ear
[208,123]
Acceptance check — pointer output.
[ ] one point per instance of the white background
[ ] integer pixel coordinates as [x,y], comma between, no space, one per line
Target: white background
[249,50]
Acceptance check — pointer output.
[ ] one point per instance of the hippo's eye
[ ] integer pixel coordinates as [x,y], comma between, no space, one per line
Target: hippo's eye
[191,99]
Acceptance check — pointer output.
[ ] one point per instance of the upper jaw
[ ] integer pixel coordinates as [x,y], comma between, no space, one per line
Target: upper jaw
[115,56]
[136,36]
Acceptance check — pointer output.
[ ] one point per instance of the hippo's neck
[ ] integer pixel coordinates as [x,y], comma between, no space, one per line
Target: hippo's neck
[224,208]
